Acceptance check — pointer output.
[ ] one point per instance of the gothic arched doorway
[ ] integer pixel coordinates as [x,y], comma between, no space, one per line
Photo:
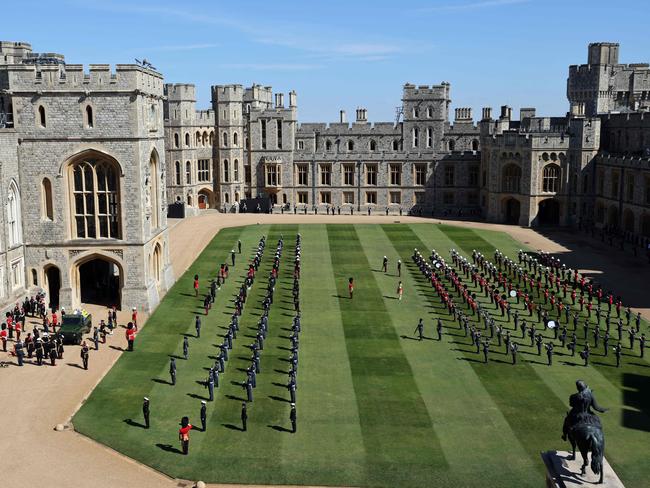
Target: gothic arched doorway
[549,212]
[99,281]
[512,211]
[53,283]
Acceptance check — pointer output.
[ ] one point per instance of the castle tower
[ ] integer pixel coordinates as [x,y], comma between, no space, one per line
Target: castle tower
[426,113]
[230,139]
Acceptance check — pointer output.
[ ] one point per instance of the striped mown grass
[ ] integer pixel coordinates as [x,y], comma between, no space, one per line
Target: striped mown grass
[375,407]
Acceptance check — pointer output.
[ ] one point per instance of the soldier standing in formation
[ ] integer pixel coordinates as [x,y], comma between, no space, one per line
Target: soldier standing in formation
[145,412]
[197,325]
[618,351]
[384,265]
[84,354]
[292,417]
[549,353]
[244,416]
[439,329]
[420,329]
[399,268]
[172,370]
[186,348]
[203,415]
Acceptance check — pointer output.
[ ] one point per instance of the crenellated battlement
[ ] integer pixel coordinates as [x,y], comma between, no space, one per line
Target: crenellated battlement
[180,92]
[74,77]
[350,129]
[227,93]
[421,92]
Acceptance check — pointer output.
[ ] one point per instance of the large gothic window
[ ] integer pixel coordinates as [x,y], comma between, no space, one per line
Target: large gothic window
[153,190]
[14,232]
[96,195]
[551,178]
[511,178]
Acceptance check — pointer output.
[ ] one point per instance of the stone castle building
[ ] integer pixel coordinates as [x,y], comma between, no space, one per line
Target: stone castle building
[91,157]
[82,179]
[531,171]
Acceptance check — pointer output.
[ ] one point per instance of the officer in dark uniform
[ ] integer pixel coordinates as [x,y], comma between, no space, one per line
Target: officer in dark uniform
[96,338]
[291,386]
[585,354]
[384,266]
[618,352]
[145,412]
[172,370]
[210,385]
[486,349]
[632,335]
[638,321]
[549,353]
[197,326]
[239,246]
[420,329]
[20,353]
[606,343]
[244,416]
[642,343]
[186,348]
[538,341]
[249,389]
[513,350]
[439,329]
[203,415]
[292,417]
[84,354]
[39,352]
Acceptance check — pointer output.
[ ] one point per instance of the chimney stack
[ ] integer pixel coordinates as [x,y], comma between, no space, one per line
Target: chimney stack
[343,119]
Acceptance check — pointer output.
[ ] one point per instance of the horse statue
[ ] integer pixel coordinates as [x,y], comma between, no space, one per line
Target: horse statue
[582,427]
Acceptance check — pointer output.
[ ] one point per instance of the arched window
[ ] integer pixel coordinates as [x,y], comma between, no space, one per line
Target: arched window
[226,171]
[198,138]
[177,142]
[475,145]
[47,209]
[235,139]
[416,136]
[451,145]
[551,178]
[96,194]
[156,263]
[90,121]
[429,112]
[212,138]
[235,169]
[395,145]
[41,116]
[225,139]
[429,137]
[205,138]
[416,112]
[350,145]
[14,231]
[328,145]
[189,200]
[34,277]
[178,172]
[226,198]
[373,146]
[188,173]
[153,190]
[511,178]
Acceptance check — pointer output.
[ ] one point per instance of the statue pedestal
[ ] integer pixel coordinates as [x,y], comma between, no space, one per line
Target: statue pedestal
[563,473]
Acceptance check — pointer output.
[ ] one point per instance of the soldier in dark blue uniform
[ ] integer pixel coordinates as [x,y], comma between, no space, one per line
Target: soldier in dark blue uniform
[420,329]
[197,326]
[642,344]
[145,412]
[549,353]
[172,370]
[203,415]
[186,348]
[439,329]
[618,352]
[210,385]
[244,416]
[293,418]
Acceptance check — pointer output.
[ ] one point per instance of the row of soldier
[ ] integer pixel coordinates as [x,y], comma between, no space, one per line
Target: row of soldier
[475,306]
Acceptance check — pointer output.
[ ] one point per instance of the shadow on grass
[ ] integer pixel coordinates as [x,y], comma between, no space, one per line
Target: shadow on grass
[472,360]
[133,423]
[279,399]
[169,448]
[279,428]
[162,382]
[233,427]
[233,397]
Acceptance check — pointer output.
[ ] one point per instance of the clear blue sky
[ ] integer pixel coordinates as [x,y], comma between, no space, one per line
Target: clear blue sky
[343,54]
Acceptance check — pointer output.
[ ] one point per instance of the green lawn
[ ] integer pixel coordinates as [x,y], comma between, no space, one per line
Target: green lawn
[375,408]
